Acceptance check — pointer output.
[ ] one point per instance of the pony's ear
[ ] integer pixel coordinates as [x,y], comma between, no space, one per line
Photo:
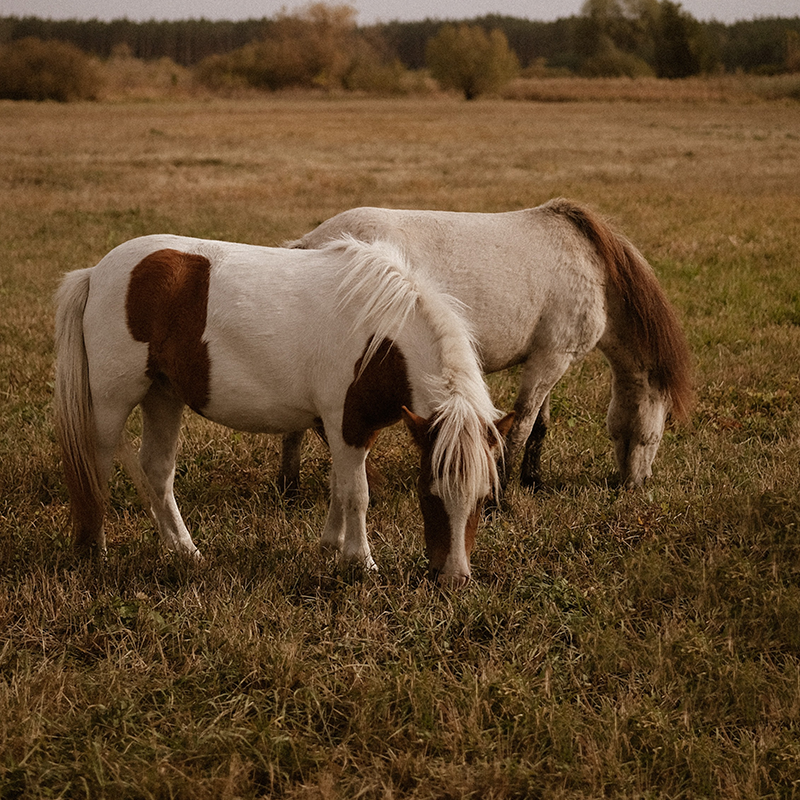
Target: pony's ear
[504,425]
[418,426]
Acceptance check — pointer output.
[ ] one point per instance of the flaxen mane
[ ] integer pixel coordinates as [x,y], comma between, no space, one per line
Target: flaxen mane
[387,292]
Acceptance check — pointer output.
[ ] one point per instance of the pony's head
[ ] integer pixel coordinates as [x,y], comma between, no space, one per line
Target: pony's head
[636,425]
[455,478]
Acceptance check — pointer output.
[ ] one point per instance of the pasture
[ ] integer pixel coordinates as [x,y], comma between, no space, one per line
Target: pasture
[612,643]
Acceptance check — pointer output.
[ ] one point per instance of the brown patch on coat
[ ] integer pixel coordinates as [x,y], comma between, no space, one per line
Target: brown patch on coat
[376,396]
[436,522]
[166,308]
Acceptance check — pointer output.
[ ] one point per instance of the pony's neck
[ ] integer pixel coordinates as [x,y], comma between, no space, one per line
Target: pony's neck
[457,374]
[457,402]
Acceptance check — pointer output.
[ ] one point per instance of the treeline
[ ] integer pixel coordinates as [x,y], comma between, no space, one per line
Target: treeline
[610,37]
[185,42]
[322,47]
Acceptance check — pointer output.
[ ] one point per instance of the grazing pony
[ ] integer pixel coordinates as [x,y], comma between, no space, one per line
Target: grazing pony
[541,288]
[273,340]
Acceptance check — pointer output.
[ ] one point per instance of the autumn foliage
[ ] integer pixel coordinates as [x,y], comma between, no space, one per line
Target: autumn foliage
[468,59]
[319,46]
[31,69]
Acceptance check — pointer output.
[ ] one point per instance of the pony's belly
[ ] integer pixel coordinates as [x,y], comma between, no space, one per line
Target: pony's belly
[502,358]
[503,348]
[255,417]
[258,386]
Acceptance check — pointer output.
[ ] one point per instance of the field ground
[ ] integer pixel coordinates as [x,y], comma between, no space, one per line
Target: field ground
[642,644]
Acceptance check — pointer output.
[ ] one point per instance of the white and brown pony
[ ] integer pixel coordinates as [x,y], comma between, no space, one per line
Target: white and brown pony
[274,340]
[541,288]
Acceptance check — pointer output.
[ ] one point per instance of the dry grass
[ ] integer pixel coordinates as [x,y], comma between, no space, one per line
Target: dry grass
[706,89]
[614,644]
[125,78]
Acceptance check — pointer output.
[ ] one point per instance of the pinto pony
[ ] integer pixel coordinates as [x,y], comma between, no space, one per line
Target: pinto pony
[541,288]
[274,340]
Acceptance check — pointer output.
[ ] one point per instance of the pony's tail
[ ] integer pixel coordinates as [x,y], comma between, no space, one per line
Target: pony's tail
[660,340]
[73,413]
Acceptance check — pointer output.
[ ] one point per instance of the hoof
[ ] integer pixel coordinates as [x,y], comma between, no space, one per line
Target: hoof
[632,482]
[359,561]
[290,490]
[367,564]
[94,553]
[186,555]
[449,581]
[532,481]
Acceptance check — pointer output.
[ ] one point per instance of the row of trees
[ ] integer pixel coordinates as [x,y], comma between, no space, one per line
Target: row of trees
[633,27]
[323,46]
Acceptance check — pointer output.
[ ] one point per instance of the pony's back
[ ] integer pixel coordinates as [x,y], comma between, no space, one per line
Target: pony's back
[509,270]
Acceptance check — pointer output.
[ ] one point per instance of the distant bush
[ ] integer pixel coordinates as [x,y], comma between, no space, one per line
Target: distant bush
[318,47]
[373,76]
[126,77]
[468,59]
[31,69]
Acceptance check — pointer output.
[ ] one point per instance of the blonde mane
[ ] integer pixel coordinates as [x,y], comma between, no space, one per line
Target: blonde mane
[385,291]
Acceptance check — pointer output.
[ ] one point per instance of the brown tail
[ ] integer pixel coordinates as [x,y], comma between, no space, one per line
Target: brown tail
[658,334]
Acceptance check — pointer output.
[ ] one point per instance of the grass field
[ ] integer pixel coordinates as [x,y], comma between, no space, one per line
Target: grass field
[613,644]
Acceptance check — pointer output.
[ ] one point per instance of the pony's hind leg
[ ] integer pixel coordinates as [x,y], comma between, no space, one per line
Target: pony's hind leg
[332,539]
[109,422]
[290,463]
[161,421]
[530,474]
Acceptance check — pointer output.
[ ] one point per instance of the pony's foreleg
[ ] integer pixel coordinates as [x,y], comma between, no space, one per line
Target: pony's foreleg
[346,527]
[161,420]
[289,478]
[530,474]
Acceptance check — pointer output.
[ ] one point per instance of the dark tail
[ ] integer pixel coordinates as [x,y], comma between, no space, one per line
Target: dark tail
[656,331]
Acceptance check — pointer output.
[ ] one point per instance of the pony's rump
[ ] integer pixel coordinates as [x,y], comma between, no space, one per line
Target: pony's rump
[659,337]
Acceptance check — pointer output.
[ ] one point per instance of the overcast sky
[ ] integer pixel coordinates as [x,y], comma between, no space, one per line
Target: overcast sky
[369,10]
